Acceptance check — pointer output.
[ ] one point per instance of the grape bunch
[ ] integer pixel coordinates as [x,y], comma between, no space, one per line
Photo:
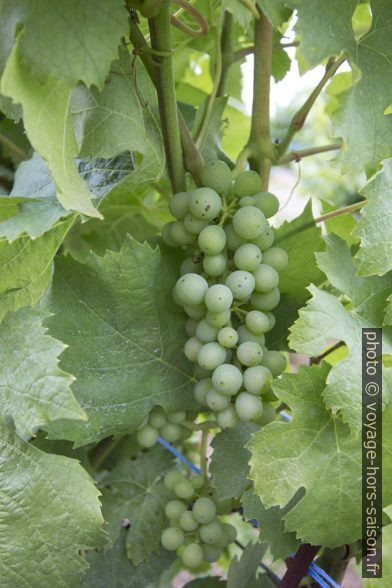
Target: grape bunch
[195,530]
[228,287]
[169,426]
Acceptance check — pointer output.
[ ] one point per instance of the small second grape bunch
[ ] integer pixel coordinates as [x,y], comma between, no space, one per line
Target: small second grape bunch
[228,287]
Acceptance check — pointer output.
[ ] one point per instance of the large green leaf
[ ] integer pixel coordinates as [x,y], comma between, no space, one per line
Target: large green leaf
[49,128]
[68,40]
[49,511]
[33,390]
[124,337]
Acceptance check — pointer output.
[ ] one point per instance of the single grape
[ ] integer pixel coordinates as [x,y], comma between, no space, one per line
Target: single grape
[166,235]
[212,240]
[179,204]
[216,400]
[211,532]
[191,289]
[201,389]
[247,257]
[204,510]
[192,556]
[187,522]
[147,436]
[267,202]
[197,482]
[272,320]
[211,355]
[194,225]
[184,489]
[266,301]
[215,265]
[247,201]
[157,417]
[218,298]
[172,538]
[174,509]
[171,479]
[266,278]
[195,311]
[257,379]
[211,553]
[227,378]
[219,319]
[265,240]
[249,222]
[217,175]
[257,322]
[205,203]
[190,327]
[171,432]
[268,416]
[248,406]
[180,235]
[192,348]
[228,337]
[241,284]
[277,258]
[177,416]
[190,266]
[229,535]
[205,332]
[250,353]
[233,241]
[247,183]
[227,418]
[275,361]
[244,334]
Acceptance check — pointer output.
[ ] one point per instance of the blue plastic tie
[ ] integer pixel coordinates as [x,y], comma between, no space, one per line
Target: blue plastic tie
[318,578]
[181,457]
[324,575]
[285,415]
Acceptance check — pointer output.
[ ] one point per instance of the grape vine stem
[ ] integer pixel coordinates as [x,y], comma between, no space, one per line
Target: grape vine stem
[203,453]
[341,211]
[301,153]
[298,565]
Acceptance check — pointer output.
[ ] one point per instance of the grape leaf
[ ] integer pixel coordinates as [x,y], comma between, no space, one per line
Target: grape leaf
[134,491]
[49,511]
[242,571]
[111,568]
[9,207]
[276,11]
[49,127]
[124,337]
[70,40]
[240,12]
[33,390]
[229,463]
[374,228]
[25,267]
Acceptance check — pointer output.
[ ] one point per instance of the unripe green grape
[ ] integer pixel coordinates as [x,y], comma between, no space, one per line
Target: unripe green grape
[195,311]
[174,509]
[194,225]
[268,416]
[211,532]
[204,510]
[172,538]
[157,417]
[228,337]
[257,322]
[190,327]
[250,353]
[179,204]
[166,235]
[192,348]
[211,553]
[244,334]
[249,222]
[247,201]
[266,277]
[197,482]
[215,265]
[217,175]
[272,320]
[233,241]
[277,258]
[267,202]
[247,183]
[219,319]
[191,289]
[227,418]
[205,203]
[247,257]
[248,406]
[176,417]
[180,235]
[211,355]
[184,489]
[187,522]
[171,432]
[189,266]
[229,535]
[216,400]
[227,378]
[218,298]
[172,478]
[241,284]
[212,240]
[147,436]
[257,379]
[192,556]
[265,240]
[205,332]
[223,507]
[266,301]
[201,389]
[275,361]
